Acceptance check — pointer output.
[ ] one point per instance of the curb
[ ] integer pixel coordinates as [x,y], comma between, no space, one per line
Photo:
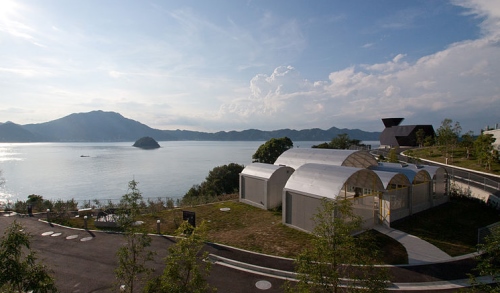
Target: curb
[285,275]
[291,276]
[456,167]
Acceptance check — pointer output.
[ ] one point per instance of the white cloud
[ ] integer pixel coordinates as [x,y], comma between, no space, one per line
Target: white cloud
[390,66]
[459,82]
[14,22]
[186,68]
[487,9]
[270,94]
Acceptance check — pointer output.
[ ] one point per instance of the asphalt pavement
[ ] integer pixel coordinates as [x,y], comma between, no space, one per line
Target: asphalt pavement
[84,261]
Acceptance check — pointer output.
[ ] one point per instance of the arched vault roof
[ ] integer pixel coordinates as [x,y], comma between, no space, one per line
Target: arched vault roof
[297,157]
[260,170]
[431,170]
[412,172]
[389,178]
[328,180]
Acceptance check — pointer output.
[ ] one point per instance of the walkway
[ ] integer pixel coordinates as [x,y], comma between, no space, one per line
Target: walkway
[419,251]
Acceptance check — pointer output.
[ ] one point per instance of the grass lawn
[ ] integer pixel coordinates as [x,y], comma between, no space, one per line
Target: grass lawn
[254,229]
[452,226]
[457,157]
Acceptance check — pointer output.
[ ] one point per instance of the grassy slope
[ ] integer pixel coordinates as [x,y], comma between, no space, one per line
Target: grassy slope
[254,229]
[456,157]
[452,226]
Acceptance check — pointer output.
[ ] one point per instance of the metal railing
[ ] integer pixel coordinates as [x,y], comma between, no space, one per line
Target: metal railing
[475,180]
[484,232]
[488,183]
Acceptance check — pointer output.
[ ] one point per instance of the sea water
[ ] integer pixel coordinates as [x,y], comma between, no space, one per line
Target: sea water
[88,171]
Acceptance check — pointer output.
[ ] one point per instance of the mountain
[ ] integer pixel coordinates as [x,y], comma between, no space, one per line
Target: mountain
[94,126]
[100,126]
[11,132]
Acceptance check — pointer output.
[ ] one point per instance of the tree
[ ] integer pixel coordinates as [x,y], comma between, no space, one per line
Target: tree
[223,179]
[392,157]
[488,262]
[129,207]
[220,180]
[270,151]
[336,260]
[134,255]
[420,134]
[467,142]
[36,201]
[483,146]
[184,272]
[19,269]
[341,142]
[429,141]
[447,134]
[132,260]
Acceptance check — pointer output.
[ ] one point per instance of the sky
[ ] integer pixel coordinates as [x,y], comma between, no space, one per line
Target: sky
[224,65]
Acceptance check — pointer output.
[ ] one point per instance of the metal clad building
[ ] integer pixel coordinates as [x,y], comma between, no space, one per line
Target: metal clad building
[261,184]
[381,193]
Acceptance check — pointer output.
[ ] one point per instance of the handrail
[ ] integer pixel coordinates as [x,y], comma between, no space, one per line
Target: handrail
[460,174]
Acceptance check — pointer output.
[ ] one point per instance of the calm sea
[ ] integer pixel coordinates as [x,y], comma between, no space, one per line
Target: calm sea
[87,171]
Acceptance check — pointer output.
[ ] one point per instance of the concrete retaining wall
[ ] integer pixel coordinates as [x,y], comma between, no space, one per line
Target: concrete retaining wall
[474,192]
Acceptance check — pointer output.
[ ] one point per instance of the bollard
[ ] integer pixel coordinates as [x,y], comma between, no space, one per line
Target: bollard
[85,222]
[158,226]
[48,213]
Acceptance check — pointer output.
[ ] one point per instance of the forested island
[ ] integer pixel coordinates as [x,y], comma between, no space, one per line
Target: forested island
[147,143]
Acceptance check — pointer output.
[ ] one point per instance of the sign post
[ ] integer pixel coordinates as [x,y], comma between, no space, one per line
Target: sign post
[190,217]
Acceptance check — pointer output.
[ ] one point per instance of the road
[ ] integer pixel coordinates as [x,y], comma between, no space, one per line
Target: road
[481,180]
[88,266]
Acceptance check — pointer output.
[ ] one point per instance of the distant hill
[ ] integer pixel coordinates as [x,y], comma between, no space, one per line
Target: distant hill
[94,126]
[11,132]
[147,143]
[100,126]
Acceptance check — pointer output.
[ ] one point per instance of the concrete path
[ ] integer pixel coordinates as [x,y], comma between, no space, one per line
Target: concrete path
[419,251]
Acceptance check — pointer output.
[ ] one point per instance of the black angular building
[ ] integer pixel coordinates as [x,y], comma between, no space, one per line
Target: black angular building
[395,135]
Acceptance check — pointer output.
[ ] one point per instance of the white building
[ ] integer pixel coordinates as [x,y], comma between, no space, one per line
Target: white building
[381,193]
[261,185]
[496,134]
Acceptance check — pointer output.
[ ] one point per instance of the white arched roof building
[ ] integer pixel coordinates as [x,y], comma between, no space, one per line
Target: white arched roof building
[414,174]
[310,183]
[381,192]
[351,158]
[394,202]
[261,185]
[318,180]
[390,179]
[429,184]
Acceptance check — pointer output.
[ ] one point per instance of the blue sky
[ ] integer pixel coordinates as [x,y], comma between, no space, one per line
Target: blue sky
[234,65]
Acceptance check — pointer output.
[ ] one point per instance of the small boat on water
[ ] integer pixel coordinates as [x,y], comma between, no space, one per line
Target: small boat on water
[84,156]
